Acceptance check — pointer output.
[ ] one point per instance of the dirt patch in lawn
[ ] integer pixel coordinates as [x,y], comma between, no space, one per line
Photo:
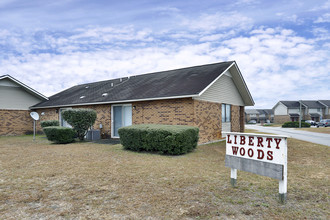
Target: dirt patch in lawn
[95,181]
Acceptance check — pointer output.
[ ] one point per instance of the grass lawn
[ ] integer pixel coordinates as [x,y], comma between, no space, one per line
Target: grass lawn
[272,125]
[96,181]
[325,130]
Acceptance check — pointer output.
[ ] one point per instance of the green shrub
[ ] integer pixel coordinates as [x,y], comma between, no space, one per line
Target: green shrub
[49,123]
[295,124]
[60,135]
[164,139]
[80,120]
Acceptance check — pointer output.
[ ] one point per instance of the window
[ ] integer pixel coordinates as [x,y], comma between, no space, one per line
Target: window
[318,109]
[64,123]
[225,113]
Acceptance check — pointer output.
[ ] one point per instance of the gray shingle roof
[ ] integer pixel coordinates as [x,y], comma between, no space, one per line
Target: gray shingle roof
[312,104]
[291,104]
[173,83]
[251,111]
[325,102]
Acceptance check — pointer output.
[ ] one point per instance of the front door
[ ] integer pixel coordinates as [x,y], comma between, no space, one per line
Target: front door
[121,117]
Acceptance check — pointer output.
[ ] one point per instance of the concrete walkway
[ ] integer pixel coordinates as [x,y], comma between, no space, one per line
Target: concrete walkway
[317,138]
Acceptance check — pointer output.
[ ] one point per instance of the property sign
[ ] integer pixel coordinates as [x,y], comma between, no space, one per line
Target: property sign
[260,154]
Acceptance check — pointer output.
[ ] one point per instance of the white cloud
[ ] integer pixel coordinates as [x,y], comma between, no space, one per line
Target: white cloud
[323,19]
[246,2]
[324,6]
[321,34]
[275,62]
[218,21]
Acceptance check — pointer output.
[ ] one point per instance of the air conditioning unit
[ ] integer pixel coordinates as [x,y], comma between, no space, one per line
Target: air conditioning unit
[93,135]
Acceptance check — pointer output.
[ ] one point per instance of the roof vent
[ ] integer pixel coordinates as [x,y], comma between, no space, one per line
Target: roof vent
[105,94]
[86,87]
[111,84]
[120,80]
[82,97]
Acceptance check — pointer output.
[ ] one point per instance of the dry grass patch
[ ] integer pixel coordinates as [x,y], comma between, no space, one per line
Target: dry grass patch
[325,130]
[95,181]
[272,125]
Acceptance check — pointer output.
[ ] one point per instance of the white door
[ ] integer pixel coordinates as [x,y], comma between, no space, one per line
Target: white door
[121,116]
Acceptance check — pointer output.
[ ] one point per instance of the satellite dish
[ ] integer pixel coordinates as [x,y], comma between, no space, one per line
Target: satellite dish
[34,115]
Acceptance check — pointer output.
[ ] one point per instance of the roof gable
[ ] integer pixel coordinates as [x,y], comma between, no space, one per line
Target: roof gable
[11,81]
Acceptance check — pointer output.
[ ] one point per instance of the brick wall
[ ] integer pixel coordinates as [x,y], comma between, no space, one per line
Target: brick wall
[202,114]
[15,122]
[235,119]
[208,119]
[103,117]
[280,119]
[242,119]
[171,112]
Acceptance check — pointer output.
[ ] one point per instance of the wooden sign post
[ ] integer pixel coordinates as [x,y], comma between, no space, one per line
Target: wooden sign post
[260,154]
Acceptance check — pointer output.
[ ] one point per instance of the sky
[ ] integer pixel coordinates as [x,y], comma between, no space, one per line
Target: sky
[281,47]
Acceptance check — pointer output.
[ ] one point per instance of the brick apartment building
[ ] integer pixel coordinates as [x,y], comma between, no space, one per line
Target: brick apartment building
[315,110]
[211,97]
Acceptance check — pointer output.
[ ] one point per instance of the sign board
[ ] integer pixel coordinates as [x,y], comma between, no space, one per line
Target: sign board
[260,154]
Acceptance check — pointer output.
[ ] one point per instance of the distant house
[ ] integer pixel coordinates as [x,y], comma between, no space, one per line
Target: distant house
[326,104]
[259,115]
[266,115]
[314,110]
[211,97]
[308,109]
[251,114]
[15,100]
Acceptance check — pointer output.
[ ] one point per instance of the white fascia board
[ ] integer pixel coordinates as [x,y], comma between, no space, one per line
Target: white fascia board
[323,103]
[201,93]
[277,105]
[24,86]
[114,102]
[241,77]
[243,81]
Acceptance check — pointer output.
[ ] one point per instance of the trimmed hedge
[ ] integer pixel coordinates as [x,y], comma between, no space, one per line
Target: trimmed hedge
[49,123]
[80,120]
[60,135]
[164,139]
[295,124]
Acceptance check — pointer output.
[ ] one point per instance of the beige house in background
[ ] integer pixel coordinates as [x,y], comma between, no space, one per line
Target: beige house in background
[315,110]
[15,100]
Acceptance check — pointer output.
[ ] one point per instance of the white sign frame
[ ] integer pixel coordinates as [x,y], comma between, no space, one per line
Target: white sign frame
[261,154]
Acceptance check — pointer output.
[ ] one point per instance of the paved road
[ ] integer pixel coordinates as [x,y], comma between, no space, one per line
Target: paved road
[313,137]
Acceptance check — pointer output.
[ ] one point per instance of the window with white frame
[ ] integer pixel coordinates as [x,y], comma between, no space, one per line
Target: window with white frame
[225,112]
